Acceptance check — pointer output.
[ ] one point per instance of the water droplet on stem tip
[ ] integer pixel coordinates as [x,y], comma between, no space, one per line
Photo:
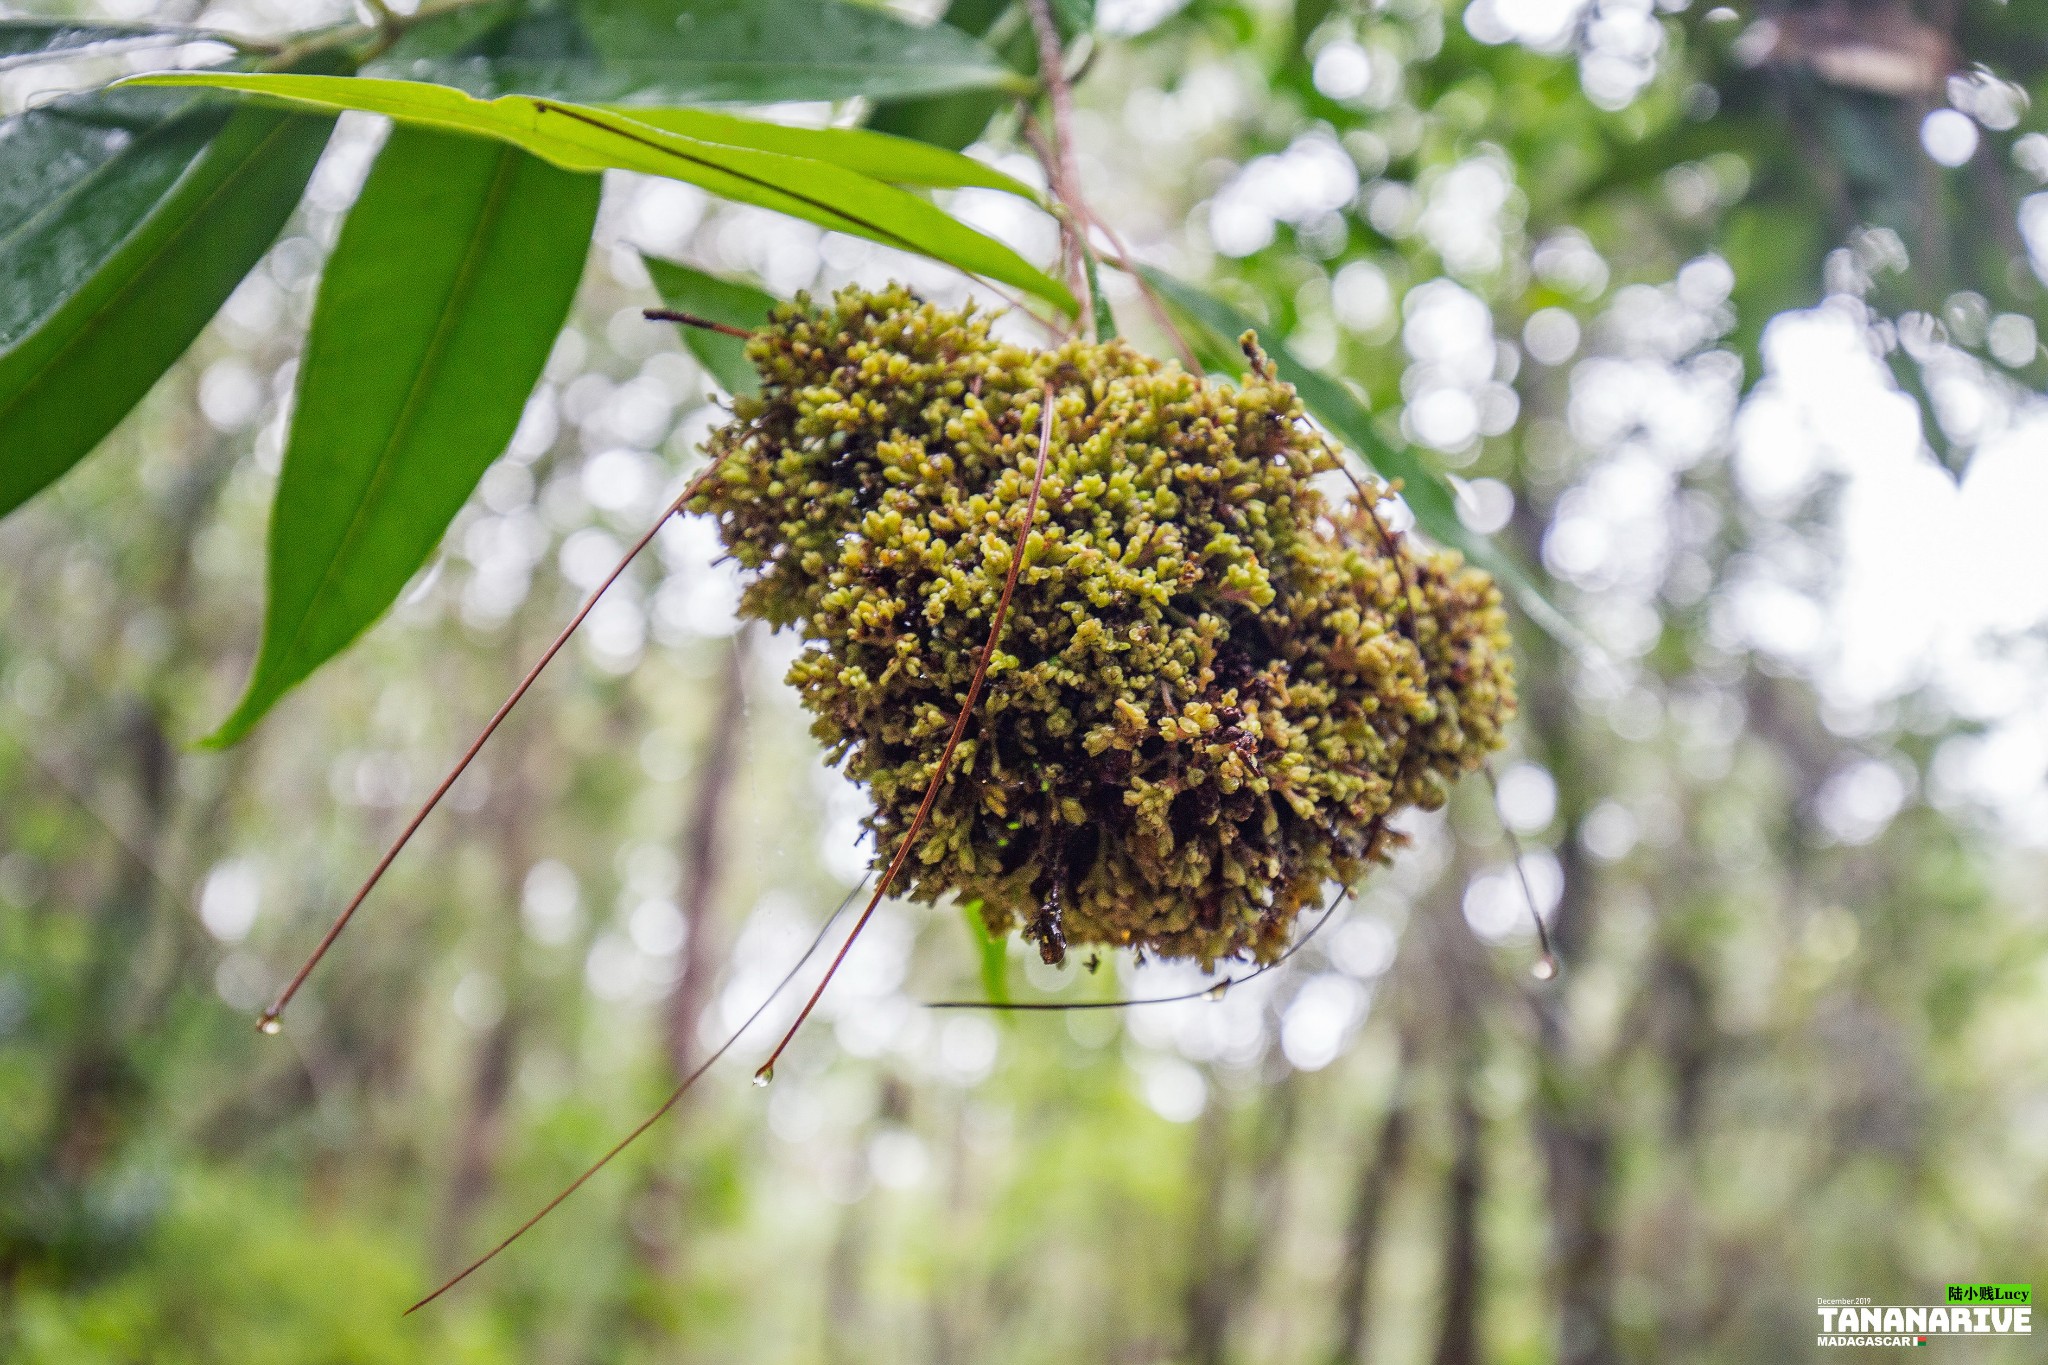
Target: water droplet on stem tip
[1216,991]
[1545,967]
[765,1074]
[269,1024]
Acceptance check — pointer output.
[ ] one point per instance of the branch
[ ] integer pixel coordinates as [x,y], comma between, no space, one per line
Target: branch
[1059,158]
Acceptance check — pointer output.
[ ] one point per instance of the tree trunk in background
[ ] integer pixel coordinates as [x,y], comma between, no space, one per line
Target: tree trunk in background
[480,1142]
[1207,1304]
[99,1092]
[844,1270]
[1228,1263]
[1368,1221]
[482,1138]
[1573,1129]
[660,1228]
[99,1084]
[1458,1342]
[703,857]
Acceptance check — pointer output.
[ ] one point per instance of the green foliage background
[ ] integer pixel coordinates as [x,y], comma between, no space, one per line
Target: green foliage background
[1782,1064]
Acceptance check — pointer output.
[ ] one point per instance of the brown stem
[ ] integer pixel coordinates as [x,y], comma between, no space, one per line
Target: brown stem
[692,320]
[1059,158]
[675,1098]
[267,1022]
[1153,303]
[931,791]
[1214,990]
[1547,965]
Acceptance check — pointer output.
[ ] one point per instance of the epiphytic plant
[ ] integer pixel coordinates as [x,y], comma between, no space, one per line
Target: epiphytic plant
[1109,663]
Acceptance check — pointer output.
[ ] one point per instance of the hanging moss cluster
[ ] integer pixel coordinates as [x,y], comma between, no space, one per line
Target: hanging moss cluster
[1213,686]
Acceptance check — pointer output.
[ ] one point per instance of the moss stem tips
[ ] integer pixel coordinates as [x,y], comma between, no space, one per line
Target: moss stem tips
[1215,685]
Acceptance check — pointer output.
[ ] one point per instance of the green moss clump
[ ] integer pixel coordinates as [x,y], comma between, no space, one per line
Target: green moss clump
[1213,686]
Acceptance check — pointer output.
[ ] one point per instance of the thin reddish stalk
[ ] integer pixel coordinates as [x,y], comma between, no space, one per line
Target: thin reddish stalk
[267,1022]
[1369,501]
[1153,303]
[1059,158]
[931,791]
[1214,990]
[1547,965]
[675,1098]
[692,320]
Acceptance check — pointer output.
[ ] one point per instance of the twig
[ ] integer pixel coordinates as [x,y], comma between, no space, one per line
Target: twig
[692,320]
[1214,990]
[267,1022]
[174,894]
[1546,966]
[1368,500]
[931,791]
[675,1098]
[1153,303]
[1059,158]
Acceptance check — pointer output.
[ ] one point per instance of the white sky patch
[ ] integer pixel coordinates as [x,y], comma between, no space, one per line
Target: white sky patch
[230,898]
[1938,582]
[1314,176]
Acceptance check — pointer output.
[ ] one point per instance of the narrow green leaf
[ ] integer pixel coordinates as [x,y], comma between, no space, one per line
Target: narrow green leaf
[1329,402]
[435,316]
[125,222]
[728,301]
[1105,316]
[716,51]
[579,137]
[956,119]
[25,41]
[895,160]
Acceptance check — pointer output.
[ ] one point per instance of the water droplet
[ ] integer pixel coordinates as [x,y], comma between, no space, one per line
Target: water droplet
[1544,968]
[765,1074]
[1216,991]
[270,1024]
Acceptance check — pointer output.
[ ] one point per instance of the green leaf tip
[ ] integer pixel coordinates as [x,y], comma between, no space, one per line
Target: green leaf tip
[436,313]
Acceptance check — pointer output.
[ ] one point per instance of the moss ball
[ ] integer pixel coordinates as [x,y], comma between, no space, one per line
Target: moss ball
[1214,684]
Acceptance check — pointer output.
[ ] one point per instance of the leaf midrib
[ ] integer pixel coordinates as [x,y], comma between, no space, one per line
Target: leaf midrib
[93,319]
[571,112]
[451,313]
[79,186]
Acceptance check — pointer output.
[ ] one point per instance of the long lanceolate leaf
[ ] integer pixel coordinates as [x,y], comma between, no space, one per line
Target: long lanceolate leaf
[896,160]
[435,316]
[709,51]
[23,41]
[126,219]
[580,137]
[1329,402]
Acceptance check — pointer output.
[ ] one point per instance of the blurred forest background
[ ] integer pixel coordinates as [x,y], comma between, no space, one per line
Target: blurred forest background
[1725,318]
